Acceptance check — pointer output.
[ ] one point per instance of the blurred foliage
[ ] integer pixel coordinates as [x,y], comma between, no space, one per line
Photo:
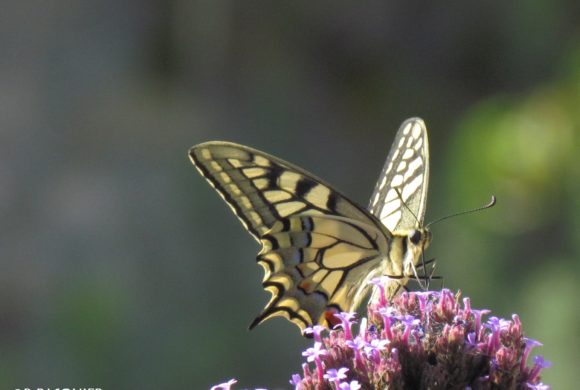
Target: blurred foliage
[120,266]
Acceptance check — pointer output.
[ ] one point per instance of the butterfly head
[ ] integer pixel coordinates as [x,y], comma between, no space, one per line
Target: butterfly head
[418,240]
[413,244]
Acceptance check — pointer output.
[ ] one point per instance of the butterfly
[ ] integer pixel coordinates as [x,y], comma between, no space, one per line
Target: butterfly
[320,249]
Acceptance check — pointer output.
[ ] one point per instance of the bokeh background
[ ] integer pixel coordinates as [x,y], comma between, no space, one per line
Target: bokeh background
[121,268]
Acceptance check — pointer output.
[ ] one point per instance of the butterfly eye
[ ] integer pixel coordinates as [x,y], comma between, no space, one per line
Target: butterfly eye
[415,237]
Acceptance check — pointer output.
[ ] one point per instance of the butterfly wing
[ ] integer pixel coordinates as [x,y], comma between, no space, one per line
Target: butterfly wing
[406,171]
[262,189]
[316,266]
[318,246]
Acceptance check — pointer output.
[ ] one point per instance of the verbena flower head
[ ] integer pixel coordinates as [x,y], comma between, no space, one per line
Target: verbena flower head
[420,340]
[423,340]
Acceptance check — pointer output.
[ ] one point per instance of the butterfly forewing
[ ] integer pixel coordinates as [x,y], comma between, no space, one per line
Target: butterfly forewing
[262,189]
[400,195]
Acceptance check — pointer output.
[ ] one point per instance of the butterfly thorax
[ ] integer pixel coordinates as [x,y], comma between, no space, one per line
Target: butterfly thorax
[406,249]
[408,246]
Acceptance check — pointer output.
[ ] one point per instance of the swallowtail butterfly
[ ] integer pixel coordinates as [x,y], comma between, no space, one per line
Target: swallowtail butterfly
[319,248]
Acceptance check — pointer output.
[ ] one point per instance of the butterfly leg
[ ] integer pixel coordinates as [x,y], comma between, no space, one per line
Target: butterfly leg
[426,278]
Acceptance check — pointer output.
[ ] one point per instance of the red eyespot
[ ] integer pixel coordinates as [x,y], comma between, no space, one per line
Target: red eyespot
[331,320]
[305,286]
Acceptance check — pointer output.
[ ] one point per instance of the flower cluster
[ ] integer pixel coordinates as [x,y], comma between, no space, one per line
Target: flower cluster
[421,340]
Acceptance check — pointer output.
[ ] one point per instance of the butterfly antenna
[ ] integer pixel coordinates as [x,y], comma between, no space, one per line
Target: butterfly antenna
[487,206]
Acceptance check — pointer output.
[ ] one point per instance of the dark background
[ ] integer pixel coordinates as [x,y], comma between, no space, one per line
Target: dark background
[121,268]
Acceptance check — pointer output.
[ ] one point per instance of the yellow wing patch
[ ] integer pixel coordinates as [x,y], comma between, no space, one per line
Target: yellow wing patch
[262,189]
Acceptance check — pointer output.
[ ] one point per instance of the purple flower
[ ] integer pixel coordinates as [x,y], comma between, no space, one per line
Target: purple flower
[539,364]
[335,376]
[477,325]
[346,317]
[530,344]
[354,385]
[538,386]
[225,386]
[493,324]
[380,284]
[296,381]
[346,320]
[388,315]
[424,306]
[471,339]
[376,345]
[316,331]
[409,322]
[466,307]
[373,349]
[357,345]
[446,308]
[314,353]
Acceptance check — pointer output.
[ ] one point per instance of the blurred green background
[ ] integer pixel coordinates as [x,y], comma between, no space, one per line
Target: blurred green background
[121,268]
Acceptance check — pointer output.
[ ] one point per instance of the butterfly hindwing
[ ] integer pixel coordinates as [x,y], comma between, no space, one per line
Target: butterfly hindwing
[314,266]
[400,195]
